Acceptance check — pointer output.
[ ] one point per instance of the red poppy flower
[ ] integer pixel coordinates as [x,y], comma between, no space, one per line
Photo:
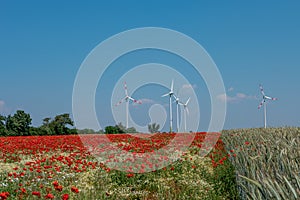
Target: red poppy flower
[23,190]
[35,193]
[4,195]
[49,196]
[59,188]
[130,175]
[65,197]
[74,189]
[55,183]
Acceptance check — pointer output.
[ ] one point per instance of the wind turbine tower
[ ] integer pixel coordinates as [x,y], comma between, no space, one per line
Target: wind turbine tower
[126,99]
[186,111]
[264,103]
[170,94]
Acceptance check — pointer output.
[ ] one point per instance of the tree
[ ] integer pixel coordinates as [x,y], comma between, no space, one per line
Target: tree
[113,130]
[86,131]
[124,130]
[153,128]
[59,124]
[121,127]
[2,125]
[46,121]
[19,123]
[131,130]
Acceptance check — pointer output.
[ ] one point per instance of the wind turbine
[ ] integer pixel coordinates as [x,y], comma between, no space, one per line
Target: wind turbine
[177,112]
[127,98]
[186,111]
[264,103]
[170,94]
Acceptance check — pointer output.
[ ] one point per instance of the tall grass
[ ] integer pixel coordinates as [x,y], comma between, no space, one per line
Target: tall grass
[267,162]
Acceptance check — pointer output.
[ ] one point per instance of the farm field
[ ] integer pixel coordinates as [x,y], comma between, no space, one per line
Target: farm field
[244,164]
[267,162]
[61,167]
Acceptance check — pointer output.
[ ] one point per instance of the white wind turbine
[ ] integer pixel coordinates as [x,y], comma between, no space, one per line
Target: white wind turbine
[170,94]
[127,98]
[186,111]
[264,103]
[177,112]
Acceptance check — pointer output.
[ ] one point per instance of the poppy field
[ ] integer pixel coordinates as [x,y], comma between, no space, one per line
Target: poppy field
[67,167]
[244,164]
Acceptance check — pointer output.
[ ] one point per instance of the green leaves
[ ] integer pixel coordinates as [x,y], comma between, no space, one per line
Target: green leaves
[18,124]
[153,128]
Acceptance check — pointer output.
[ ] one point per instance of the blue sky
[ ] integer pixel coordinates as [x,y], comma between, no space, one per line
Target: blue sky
[43,44]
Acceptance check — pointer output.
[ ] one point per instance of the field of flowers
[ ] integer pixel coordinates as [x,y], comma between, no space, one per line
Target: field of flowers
[267,162]
[65,167]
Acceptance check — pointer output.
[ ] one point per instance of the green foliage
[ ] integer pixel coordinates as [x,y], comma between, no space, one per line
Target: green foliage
[119,128]
[18,124]
[2,125]
[113,130]
[153,128]
[86,131]
[58,126]
[34,131]
[131,130]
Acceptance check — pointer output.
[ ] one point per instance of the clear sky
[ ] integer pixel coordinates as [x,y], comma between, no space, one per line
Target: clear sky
[43,44]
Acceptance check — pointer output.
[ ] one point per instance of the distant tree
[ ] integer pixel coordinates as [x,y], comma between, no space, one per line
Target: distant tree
[19,123]
[59,124]
[131,130]
[113,130]
[124,130]
[86,131]
[100,131]
[153,128]
[46,121]
[35,131]
[45,129]
[2,121]
[121,127]
[2,125]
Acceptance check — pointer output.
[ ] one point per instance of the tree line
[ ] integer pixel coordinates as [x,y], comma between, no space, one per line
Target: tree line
[19,124]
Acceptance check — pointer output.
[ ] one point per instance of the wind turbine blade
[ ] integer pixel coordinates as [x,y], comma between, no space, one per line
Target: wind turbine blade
[261,103]
[125,88]
[134,100]
[187,101]
[172,84]
[187,110]
[175,97]
[261,90]
[165,95]
[270,98]
[120,102]
[137,101]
